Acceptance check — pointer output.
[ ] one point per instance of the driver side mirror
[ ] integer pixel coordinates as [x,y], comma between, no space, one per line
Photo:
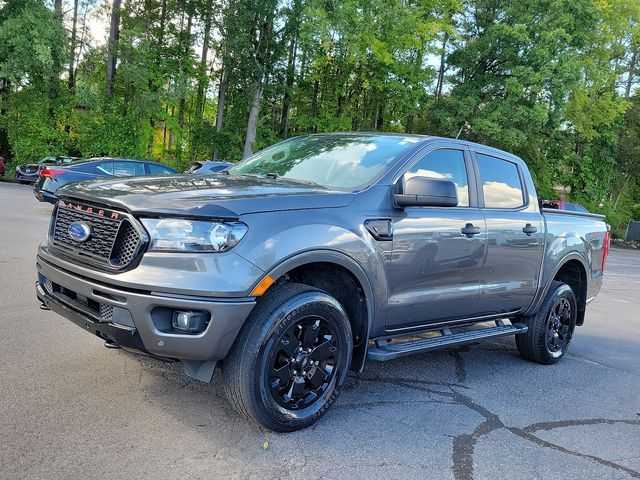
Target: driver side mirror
[427,192]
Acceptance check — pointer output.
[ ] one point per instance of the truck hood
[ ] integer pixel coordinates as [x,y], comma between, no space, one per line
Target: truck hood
[217,196]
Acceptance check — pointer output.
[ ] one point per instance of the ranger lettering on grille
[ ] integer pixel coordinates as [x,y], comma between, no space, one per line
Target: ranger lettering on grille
[100,212]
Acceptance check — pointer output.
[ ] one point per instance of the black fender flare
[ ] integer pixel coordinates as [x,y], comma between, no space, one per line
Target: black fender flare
[347,262]
[542,292]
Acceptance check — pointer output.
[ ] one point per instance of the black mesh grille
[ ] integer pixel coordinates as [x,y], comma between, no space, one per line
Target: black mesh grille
[113,242]
[126,244]
[106,312]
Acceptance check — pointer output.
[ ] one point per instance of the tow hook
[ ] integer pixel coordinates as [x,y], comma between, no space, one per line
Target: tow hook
[44,307]
[110,344]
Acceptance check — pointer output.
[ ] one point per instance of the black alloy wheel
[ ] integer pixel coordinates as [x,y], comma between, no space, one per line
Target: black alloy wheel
[290,359]
[559,326]
[551,327]
[302,363]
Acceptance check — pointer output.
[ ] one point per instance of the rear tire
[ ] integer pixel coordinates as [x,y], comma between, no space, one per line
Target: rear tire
[290,359]
[551,327]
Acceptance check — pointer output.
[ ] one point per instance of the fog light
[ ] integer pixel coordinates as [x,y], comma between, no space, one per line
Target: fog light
[190,322]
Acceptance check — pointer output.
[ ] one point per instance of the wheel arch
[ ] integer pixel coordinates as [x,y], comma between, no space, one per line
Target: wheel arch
[572,270]
[327,270]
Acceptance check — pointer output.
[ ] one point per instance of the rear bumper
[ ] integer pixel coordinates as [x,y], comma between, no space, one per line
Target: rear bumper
[140,320]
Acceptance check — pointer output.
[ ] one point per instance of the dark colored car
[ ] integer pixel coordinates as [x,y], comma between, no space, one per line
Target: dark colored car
[52,178]
[207,167]
[30,172]
[308,258]
[562,205]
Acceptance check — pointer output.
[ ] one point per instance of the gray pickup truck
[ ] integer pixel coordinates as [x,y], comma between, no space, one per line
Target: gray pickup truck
[299,263]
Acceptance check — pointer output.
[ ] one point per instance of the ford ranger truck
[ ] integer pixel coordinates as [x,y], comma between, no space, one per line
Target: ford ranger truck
[298,264]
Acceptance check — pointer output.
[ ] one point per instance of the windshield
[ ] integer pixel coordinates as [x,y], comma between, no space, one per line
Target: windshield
[336,161]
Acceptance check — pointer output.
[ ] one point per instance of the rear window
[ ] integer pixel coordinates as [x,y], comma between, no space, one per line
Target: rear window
[128,169]
[501,185]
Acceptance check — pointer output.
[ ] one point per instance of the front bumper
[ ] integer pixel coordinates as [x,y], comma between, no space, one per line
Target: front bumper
[138,319]
[27,177]
[126,337]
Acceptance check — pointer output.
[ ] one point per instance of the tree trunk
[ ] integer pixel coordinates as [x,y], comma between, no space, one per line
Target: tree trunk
[252,123]
[631,72]
[286,102]
[417,67]
[380,119]
[112,53]
[202,71]
[293,26]
[57,6]
[620,192]
[183,73]
[222,96]
[314,104]
[441,70]
[72,57]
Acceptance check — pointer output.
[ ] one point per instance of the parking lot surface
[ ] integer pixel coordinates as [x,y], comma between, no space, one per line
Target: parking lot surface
[70,408]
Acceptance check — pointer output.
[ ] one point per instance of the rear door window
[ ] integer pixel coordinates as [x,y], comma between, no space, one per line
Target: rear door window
[105,168]
[501,184]
[447,164]
[128,169]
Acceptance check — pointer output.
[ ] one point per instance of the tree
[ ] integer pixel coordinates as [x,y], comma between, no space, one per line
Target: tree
[114,37]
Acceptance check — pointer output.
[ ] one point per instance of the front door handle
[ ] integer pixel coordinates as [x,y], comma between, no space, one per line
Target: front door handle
[469,230]
[529,229]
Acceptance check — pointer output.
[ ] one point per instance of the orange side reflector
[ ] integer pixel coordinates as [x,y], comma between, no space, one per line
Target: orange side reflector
[263,286]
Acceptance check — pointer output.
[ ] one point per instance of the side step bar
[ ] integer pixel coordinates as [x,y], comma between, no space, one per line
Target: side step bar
[383,351]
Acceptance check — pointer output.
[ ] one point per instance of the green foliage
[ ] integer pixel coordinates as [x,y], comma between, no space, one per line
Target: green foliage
[544,79]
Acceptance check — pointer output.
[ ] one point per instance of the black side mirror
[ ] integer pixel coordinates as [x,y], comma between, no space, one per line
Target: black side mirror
[427,192]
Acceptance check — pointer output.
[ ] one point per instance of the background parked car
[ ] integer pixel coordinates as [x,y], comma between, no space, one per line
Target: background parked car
[562,205]
[29,172]
[207,167]
[1,166]
[53,177]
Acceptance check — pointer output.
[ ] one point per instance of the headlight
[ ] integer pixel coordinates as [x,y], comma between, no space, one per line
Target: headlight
[178,235]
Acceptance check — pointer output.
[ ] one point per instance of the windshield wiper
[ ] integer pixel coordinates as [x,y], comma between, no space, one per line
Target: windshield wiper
[271,175]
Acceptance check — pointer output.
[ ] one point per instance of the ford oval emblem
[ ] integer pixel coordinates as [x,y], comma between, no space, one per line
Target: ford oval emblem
[79,231]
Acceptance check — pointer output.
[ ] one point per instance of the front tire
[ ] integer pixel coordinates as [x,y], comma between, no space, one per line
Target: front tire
[290,359]
[551,328]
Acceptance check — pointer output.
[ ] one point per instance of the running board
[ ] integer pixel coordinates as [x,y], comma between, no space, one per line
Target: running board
[383,351]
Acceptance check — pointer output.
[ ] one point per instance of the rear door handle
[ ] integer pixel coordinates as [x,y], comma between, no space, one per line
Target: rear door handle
[529,229]
[469,230]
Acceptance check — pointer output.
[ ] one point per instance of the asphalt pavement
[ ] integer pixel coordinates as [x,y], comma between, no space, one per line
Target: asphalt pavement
[70,408]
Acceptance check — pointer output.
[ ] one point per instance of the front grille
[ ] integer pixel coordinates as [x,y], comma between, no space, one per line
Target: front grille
[28,170]
[126,244]
[114,240]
